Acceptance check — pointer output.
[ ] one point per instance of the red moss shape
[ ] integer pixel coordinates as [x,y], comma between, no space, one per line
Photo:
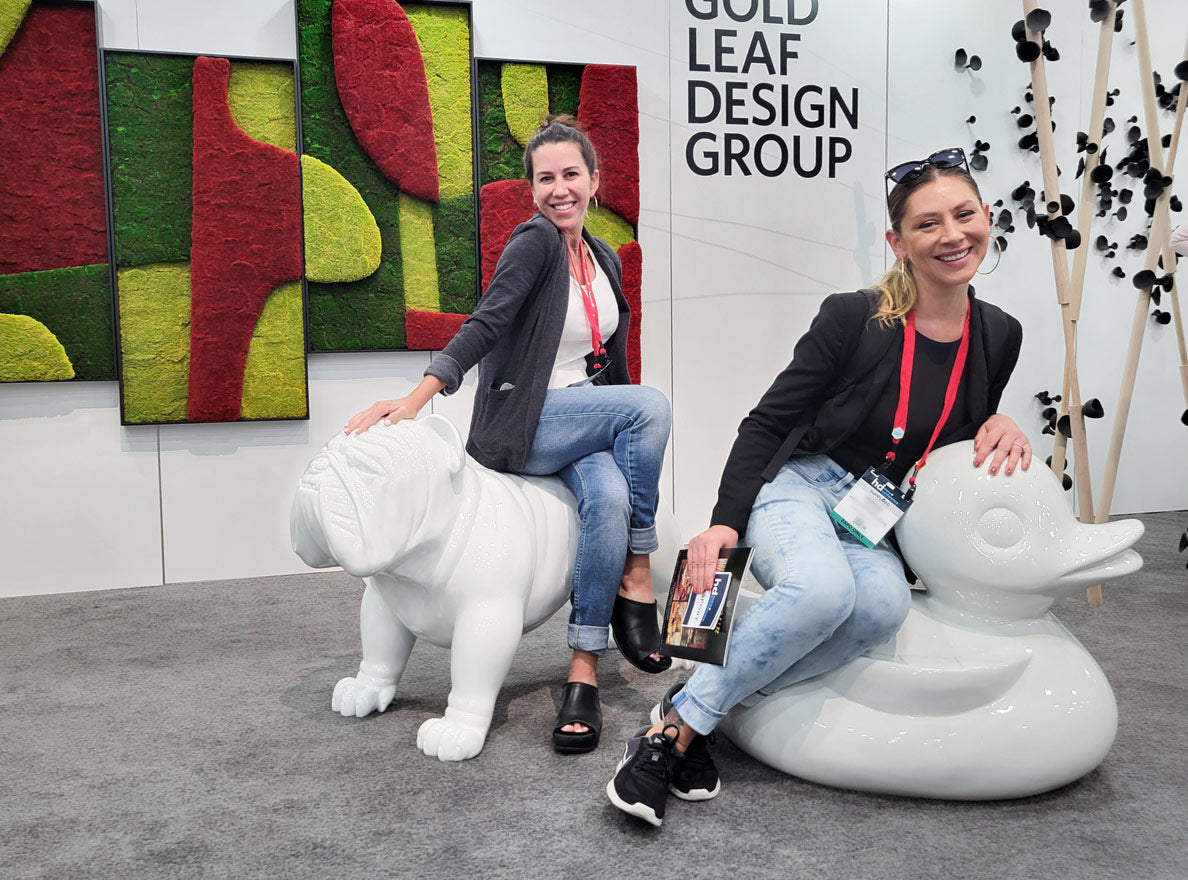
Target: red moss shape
[503,205]
[381,82]
[430,331]
[608,106]
[51,162]
[246,243]
[631,256]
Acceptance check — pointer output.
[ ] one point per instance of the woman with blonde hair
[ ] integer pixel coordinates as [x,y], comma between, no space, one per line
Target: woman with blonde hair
[882,376]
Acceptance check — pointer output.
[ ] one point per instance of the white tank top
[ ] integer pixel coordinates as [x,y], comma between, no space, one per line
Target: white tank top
[570,364]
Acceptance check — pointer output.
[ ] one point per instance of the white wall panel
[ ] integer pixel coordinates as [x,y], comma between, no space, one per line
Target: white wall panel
[734,268]
[251,28]
[79,501]
[227,487]
[753,255]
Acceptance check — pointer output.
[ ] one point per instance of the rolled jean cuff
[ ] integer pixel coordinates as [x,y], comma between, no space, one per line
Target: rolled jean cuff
[643,540]
[694,714]
[583,637]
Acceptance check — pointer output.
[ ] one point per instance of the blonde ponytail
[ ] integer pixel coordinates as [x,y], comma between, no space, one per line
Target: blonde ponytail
[898,290]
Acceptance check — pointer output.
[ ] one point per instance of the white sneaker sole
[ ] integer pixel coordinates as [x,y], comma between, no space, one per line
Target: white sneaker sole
[697,794]
[641,811]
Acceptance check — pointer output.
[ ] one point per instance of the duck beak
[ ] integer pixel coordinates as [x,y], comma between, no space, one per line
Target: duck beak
[1097,553]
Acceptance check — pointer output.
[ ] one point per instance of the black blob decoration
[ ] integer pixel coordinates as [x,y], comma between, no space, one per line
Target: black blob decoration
[1064,426]
[1092,409]
[1039,20]
[1098,10]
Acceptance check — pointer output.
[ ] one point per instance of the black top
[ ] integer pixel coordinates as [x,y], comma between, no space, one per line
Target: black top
[931,368]
[839,371]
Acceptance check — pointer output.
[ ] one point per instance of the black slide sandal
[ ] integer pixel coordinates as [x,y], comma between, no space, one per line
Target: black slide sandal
[638,634]
[579,705]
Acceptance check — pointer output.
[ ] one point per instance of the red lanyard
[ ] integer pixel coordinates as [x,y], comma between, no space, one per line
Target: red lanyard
[586,286]
[899,426]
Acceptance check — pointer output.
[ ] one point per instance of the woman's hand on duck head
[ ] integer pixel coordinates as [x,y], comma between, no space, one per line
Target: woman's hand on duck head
[1001,438]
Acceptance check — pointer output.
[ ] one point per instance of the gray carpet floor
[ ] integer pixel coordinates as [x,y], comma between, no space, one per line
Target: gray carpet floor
[185,731]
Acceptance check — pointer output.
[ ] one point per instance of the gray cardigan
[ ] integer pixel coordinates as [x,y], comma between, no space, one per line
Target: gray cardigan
[513,335]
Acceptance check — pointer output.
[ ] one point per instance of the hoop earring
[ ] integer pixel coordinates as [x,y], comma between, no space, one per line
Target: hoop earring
[998,248]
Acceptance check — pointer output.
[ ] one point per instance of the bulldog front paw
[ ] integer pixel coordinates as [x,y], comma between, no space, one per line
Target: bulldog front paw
[455,737]
[357,697]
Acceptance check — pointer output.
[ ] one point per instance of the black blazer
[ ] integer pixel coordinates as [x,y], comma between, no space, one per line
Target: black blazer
[838,369]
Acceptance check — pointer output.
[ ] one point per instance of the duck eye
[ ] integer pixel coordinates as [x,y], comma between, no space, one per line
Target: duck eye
[1000,527]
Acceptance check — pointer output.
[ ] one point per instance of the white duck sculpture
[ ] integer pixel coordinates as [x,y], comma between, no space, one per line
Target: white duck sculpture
[983,694]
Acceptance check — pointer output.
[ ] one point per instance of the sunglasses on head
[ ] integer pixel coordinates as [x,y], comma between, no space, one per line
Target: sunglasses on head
[950,158]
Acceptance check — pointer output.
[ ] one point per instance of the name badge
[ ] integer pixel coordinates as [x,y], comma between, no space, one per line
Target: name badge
[871,507]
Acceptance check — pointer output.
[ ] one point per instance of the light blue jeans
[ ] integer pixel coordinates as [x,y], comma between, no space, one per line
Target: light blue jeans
[828,598]
[606,443]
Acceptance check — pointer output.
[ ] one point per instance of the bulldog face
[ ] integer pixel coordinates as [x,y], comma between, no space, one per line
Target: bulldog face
[366,499]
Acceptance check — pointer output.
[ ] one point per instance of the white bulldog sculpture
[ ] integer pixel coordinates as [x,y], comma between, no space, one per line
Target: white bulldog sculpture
[983,694]
[461,556]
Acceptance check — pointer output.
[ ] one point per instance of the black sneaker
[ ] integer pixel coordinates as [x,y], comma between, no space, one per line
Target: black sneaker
[640,783]
[693,776]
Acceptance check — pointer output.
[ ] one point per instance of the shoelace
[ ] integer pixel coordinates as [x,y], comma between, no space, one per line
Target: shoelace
[654,761]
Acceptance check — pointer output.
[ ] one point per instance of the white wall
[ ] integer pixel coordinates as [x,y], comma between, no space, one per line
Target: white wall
[734,268]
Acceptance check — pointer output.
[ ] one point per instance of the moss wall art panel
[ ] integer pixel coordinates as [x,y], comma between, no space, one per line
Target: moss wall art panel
[513,99]
[207,211]
[386,113]
[55,293]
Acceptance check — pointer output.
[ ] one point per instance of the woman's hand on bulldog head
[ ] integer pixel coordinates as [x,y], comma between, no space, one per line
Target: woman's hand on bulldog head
[388,411]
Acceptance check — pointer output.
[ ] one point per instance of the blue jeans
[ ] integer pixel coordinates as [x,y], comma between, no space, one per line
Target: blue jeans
[606,443]
[828,597]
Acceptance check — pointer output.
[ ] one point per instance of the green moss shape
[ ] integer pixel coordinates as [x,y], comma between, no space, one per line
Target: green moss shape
[29,352]
[274,385]
[420,256]
[500,157]
[75,304]
[342,240]
[12,13]
[609,226]
[260,95]
[151,142]
[360,315]
[525,99]
[454,236]
[444,35]
[565,88]
[154,342]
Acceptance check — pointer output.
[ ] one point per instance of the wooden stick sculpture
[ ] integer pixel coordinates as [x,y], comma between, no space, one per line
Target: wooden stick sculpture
[1157,244]
[1071,399]
[1070,287]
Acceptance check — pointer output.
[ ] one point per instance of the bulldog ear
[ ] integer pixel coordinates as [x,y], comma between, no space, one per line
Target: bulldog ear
[445,429]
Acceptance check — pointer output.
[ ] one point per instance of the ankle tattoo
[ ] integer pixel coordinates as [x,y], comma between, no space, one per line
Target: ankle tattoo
[672,719]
